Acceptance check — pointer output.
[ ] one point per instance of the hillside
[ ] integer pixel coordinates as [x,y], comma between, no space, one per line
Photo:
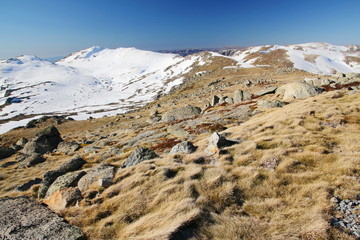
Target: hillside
[126,78]
[266,152]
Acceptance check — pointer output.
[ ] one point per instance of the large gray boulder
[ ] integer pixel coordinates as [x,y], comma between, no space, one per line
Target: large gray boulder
[67,180]
[297,90]
[183,147]
[139,155]
[45,141]
[181,113]
[100,176]
[22,218]
[240,96]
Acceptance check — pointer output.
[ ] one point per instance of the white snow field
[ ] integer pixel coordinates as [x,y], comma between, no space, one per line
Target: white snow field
[98,81]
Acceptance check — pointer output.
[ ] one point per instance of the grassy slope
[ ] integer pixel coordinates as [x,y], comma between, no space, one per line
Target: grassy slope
[312,143]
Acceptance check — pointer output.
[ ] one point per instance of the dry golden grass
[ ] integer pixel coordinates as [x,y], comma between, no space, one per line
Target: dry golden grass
[276,184]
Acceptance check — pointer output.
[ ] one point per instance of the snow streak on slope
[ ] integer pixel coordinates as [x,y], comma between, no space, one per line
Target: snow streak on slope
[318,58]
[88,82]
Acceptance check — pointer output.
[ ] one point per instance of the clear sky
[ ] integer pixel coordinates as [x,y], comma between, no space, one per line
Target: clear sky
[49,28]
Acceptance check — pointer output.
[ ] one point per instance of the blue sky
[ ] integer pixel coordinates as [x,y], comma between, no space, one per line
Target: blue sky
[49,28]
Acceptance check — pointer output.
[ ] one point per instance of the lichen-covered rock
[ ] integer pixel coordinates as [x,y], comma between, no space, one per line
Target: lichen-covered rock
[68,147]
[181,113]
[139,155]
[32,160]
[45,141]
[93,176]
[22,218]
[63,198]
[67,180]
[183,147]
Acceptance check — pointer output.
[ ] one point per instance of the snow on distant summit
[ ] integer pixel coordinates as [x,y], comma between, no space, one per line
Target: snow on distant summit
[92,82]
[317,57]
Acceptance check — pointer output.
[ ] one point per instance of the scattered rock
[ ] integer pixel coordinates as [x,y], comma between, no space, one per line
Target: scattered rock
[6,152]
[183,147]
[240,96]
[67,180]
[269,90]
[32,160]
[181,113]
[62,199]
[297,90]
[68,147]
[92,177]
[139,155]
[26,186]
[270,104]
[49,177]
[217,142]
[21,142]
[215,100]
[45,141]
[22,218]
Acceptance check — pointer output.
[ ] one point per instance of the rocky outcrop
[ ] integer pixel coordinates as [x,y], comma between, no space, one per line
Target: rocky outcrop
[297,90]
[21,142]
[49,177]
[22,218]
[139,155]
[26,186]
[183,147]
[45,141]
[99,176]
[240,96]
[181,113]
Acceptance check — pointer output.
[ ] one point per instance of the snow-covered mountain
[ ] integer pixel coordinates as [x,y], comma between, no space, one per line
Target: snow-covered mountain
[92,82]
[318,57]
[99,81]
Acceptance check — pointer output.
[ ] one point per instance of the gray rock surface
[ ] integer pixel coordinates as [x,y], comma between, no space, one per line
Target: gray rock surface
[268,90]
[67,180]
[99,174]
[139,155]
[73,164]
[21,142]
[31,160]
[181,113]
[215,100]
[22,218]
[270,104]
[183,147]
[68,147]
[297,90]
[240,96]
[45,141]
